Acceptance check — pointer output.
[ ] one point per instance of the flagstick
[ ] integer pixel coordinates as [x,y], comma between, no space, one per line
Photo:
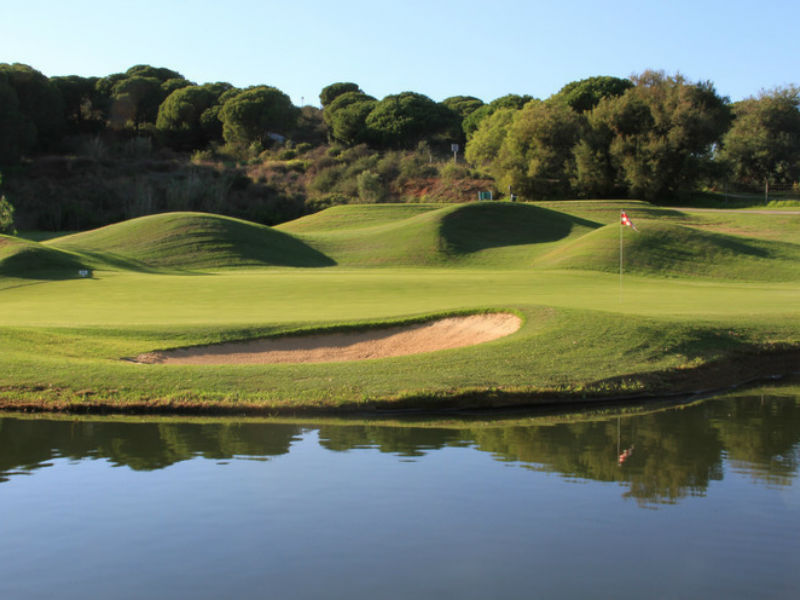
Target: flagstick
[621,227]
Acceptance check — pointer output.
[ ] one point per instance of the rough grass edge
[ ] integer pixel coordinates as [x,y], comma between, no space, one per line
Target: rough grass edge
[741,368]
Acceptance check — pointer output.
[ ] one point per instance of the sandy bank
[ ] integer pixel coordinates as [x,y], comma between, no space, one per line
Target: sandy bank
[452,332]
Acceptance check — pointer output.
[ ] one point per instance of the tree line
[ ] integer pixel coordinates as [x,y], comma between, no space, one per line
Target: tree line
[677,453]
[653,136]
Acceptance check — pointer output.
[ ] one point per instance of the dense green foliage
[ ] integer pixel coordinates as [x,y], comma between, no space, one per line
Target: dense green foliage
[136,95]
[31,113]
[135,100]
[463,105]
[346,117]
[585,94]
[665,149]
[653,140]
[484,146]
[87,151]
[330,92]
[763,144]
[6,217]
[188,117]
[6,213]
[253,114]
[79,95]
[473,120]
[403,120]
[535,157]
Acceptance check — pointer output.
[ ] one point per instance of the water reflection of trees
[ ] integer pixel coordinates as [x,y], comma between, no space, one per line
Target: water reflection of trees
[404,441]
[760,437]
[670,454]
[28,444]
[673,454]
[658,458]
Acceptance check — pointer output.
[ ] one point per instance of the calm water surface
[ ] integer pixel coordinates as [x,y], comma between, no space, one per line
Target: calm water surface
[694,502]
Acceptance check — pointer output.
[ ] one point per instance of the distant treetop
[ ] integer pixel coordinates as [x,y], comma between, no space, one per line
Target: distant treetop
[331,92]
[473,120]
[585,94]
[160,73]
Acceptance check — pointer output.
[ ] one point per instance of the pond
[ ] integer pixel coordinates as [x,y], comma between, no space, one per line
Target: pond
[694,501]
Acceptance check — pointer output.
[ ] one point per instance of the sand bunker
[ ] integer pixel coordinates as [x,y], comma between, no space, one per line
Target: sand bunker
[453,332]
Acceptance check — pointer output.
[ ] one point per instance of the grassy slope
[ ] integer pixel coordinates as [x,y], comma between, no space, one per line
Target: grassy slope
[665,249]
[62,340]
[557,351]
[189,241]
[497,235]
[26,259]
[354,216]
[779,226]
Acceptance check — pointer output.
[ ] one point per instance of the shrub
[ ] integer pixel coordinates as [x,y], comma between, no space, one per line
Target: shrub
[6,217]
[388,166]
[201,156]
[325,180]
[370,187]
[452,171]
[416,166]
[319,203]
[297,165]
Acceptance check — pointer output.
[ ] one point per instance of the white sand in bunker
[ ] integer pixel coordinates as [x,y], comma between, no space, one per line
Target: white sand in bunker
[452,332]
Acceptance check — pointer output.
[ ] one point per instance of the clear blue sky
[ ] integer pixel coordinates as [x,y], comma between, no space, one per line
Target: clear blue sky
[438,48]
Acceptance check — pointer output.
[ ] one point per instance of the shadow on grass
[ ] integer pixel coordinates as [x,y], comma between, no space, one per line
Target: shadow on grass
[37,262]
[192,241]
[696,243]
[276,248]
[702,344]
[480,226]
[109,259]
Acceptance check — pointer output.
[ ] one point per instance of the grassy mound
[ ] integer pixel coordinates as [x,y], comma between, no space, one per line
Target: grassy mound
[714,322]
[25,259]
[477,234]
[665,249]
[189,241]
[480,226]
[355,216]
[771,225]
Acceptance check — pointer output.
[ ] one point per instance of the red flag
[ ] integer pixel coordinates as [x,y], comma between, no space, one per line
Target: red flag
[625,220]
[625,455]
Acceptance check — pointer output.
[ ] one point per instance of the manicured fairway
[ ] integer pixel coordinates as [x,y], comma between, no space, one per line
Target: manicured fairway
[698,307]
[122,299]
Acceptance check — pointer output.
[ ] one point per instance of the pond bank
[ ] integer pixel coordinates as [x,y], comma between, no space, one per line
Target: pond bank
[739,369]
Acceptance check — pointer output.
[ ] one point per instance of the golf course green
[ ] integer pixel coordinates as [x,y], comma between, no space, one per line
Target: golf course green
[706,300]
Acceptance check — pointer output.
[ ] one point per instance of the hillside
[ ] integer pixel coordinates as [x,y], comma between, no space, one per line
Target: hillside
[493,234]
[26,259]
[189,241]
[496,235]
[668,250]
